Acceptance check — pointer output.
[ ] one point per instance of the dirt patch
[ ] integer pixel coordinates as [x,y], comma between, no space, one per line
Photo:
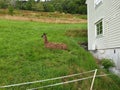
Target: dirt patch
[84,45]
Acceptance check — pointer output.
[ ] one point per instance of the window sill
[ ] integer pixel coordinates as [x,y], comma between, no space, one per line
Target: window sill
[99,36]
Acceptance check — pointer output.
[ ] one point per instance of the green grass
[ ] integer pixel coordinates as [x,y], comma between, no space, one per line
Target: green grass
[24,58]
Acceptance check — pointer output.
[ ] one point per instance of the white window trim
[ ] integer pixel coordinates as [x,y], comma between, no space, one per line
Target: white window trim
[97,2]
[101,35]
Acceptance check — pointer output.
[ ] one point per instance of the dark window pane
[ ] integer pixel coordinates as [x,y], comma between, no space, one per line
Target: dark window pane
[99,28]
[101,31]
[101,23]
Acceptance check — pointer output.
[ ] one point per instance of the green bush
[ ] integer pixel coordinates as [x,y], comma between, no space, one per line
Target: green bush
[66,6]
[82,9]
[38,7]
[11,10]
[48,7]
[107,63]
[3,4]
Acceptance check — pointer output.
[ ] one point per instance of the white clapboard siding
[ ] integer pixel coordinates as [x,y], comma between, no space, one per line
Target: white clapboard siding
[109,11]
[113,24]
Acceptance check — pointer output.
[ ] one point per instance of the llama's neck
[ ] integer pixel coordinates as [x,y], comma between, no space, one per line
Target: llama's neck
[45,40]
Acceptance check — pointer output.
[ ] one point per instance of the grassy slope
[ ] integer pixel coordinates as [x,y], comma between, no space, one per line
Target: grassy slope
[24,58]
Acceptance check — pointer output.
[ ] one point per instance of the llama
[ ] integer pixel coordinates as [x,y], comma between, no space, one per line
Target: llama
[52,45]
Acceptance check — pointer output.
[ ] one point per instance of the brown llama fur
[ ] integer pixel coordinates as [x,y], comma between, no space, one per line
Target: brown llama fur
[53,45]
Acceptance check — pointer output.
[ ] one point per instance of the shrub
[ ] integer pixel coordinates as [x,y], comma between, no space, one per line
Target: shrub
[107,63]
[48,7]
[3,4]
[11,10]
[82,9]
[38,7]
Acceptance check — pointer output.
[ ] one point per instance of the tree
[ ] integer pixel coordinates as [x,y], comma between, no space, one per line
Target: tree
[38,7]
[67,6]
[82,9]
[48,7]
[4,3]
[29,4]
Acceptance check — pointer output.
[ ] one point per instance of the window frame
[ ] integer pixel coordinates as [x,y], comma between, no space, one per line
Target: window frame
[97,3]
[99,28]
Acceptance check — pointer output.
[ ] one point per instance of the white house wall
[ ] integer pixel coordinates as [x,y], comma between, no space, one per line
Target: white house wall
[113,25]
[109,11]
[99,14]
[91,32]
[94,15]
[108,45]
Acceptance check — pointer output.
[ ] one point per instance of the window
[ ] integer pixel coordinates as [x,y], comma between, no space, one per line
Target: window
[99,28]
[97,2]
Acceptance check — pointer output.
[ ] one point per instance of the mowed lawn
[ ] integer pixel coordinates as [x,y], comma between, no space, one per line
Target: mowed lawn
[23,57]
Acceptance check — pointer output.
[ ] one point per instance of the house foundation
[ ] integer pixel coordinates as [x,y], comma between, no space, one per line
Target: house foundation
[112,54]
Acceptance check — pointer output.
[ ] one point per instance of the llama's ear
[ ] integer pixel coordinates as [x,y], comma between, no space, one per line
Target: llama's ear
[43,34]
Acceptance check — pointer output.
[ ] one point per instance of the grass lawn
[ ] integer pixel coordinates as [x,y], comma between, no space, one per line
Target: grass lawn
[24,58]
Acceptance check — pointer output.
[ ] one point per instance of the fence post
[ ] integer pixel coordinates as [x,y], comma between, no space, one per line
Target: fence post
[91,88]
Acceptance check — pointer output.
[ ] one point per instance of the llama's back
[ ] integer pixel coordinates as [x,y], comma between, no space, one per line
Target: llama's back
[56,45]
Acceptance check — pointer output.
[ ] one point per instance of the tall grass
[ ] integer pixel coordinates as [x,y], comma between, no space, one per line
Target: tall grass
[24,58]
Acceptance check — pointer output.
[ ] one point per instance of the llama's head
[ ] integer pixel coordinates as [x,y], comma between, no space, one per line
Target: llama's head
[44,35]
[45,38]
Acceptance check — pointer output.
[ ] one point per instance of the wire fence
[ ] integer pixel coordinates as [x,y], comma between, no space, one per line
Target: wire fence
[61,83]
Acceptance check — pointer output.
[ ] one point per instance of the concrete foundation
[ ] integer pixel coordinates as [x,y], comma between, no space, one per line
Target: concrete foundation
[112,54]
